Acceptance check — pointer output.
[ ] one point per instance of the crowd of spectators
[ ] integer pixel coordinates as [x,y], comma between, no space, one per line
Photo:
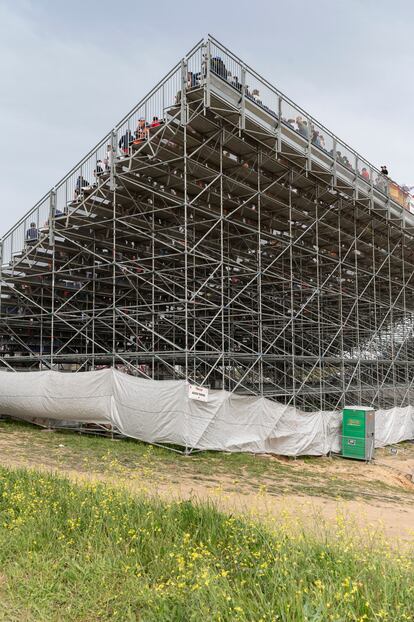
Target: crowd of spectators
[299,124]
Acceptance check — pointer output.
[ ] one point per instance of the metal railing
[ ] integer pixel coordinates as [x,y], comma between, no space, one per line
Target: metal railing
[323,145]
[314,138]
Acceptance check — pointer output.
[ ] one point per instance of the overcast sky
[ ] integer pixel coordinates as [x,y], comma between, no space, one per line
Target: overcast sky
[69,70]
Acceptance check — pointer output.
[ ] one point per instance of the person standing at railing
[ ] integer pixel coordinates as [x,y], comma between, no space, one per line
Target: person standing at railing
[384,170]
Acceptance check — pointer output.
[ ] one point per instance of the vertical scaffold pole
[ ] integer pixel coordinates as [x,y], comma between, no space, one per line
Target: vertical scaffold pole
[52,213]
[207,55]
[279,125]
[112,161]
[52,306]
[243,100]
[259,268]
[184,84]
[1,279]
[114,257]
[222,273]
[186,266]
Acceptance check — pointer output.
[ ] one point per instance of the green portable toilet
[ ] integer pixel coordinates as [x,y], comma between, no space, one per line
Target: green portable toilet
[358,432]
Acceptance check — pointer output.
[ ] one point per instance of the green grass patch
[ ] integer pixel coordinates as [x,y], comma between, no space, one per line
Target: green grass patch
[233,472]
[89,553]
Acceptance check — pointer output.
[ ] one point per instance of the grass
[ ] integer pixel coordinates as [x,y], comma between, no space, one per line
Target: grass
[94,553]
[234,472]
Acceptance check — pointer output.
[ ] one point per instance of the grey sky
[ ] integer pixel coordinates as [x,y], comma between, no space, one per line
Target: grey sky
[70,70]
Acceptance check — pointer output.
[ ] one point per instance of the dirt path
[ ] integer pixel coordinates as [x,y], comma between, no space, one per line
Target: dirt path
[316,493]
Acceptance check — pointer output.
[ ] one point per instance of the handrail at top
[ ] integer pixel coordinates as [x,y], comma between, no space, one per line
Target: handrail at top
[292,103]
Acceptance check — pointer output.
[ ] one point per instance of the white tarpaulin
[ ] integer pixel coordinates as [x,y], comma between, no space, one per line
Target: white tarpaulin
[162,412]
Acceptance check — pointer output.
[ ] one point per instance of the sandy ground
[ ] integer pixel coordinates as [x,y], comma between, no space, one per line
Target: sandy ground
[383,499]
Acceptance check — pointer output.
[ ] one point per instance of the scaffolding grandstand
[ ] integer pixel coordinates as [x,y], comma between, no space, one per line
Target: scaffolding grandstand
[221,235]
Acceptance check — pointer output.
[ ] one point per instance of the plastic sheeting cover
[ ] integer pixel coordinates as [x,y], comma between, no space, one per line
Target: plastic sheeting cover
[161,412]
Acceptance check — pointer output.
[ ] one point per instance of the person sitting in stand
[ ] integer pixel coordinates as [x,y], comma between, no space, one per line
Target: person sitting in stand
[98,170]
[193,79]
[80,183]
[256,96]
[125,141]
[365,173]
[32,234]
[155,122]
[235,82]
[141,131]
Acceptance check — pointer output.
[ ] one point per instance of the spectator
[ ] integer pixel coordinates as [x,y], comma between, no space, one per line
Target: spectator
[303,128]
[189,79]
[365,173]
[125,141]
[316,138]
[193,79]
[141,131]
[235,82]
[384,170]
[218,67]
[80,183]
[380,183]
[32,234]
[155,122]
[109,157]
[256,96]
[99,169]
